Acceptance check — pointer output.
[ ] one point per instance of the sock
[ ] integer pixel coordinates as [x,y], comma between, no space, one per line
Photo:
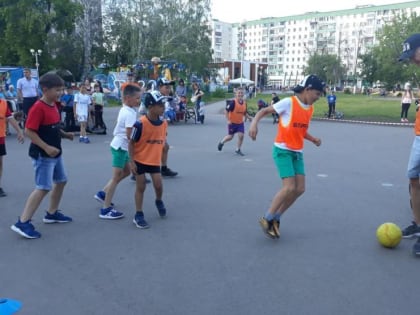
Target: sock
[277,217]
[269,216]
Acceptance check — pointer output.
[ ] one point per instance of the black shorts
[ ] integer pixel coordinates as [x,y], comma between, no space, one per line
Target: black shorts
[143,168]
[2,149]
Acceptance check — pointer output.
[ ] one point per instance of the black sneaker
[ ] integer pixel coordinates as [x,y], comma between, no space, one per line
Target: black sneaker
[220,146]
[416,248]
[2,193]
[411,230]
[267,227]
[167,172]
[239,152]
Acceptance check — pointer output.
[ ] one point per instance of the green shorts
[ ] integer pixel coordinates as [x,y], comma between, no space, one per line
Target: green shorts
[288,163]
[119,157]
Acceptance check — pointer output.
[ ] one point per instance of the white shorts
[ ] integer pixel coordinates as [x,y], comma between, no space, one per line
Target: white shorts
[82,118]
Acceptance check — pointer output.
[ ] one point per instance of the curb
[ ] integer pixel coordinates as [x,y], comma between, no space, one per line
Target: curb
[379,123]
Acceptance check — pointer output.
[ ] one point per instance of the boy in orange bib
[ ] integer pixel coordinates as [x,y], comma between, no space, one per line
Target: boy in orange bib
[148,138]
[295,114]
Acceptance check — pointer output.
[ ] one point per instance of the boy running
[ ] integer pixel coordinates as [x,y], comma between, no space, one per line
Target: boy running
[127,116]
[43,128]
[295,114]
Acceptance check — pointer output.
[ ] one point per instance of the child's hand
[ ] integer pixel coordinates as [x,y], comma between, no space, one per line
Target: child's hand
[70,136]
[52,151]
[317,142]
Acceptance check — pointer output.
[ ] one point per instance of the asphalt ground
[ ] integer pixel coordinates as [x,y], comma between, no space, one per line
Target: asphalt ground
[209,256]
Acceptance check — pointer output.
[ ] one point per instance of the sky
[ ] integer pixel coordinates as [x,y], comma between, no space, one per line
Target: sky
[235,11]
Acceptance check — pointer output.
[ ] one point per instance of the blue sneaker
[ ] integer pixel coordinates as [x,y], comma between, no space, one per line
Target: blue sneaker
[100,196]
[81,139]
[139,220]
[110,214]
[26,229]
[86,140]
[416,248]
[161,208]
[56,217]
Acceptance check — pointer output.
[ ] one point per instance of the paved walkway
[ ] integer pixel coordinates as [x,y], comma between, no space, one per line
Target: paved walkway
[209,256]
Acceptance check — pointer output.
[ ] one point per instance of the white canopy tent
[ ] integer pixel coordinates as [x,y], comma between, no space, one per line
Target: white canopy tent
[244,81]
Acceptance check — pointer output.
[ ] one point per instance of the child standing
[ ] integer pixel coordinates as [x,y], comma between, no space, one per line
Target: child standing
[5,117]
[145,153]
[81,112]
[295,114]
[127,116]
[98,102]
[43,128]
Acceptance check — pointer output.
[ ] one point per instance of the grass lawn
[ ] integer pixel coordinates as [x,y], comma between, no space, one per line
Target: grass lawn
[357,107]
[354,107]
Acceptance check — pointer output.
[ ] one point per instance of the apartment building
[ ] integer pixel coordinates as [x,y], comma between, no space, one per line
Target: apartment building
[285,44]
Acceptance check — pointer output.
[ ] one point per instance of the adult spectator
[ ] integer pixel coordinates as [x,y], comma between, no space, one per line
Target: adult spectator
[27,90]
[181,89]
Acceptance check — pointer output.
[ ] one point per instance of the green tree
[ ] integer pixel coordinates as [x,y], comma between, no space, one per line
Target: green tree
[27,24]
[327,67]
[389,48]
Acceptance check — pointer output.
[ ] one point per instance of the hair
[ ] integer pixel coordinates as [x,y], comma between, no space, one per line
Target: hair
[51,80]
[130,90]
[181,81]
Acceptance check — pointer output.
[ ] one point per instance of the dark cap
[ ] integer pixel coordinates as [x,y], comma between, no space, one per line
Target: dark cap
[164,81]
[310,82]
[153,98]
[409,47]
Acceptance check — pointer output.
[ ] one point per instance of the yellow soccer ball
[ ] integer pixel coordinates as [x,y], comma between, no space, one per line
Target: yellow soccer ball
[389,234]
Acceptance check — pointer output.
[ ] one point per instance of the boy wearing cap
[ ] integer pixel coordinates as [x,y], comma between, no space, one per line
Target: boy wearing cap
[411,52]
[148,138]
[165,87]
[295,114]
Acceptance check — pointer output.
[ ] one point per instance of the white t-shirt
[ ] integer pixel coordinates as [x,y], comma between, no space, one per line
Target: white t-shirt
[29,88]
[127,116]
[283,109]
[83,101]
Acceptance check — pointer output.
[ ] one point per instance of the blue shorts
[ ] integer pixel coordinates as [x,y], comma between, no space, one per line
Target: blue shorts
[234,128]
[413,168]
[48,171]
[288,163]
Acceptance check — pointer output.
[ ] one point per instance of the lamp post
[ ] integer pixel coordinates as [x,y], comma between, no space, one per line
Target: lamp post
[36,53]
[242,44]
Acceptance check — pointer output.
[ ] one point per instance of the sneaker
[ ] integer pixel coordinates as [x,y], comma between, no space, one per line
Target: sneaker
[220,146]
[81,139]
[139,220]
[56,217]
[167,172]
[239,152]
[276,228]
[100,196]
[416,248]
[402,120]
[26,229]
[86,140]
[110,214]
[161,208]
[267,227]
[2,193]
[411,230]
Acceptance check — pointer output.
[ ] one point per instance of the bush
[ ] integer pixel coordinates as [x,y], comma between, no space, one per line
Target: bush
[347,91]
[219,93]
